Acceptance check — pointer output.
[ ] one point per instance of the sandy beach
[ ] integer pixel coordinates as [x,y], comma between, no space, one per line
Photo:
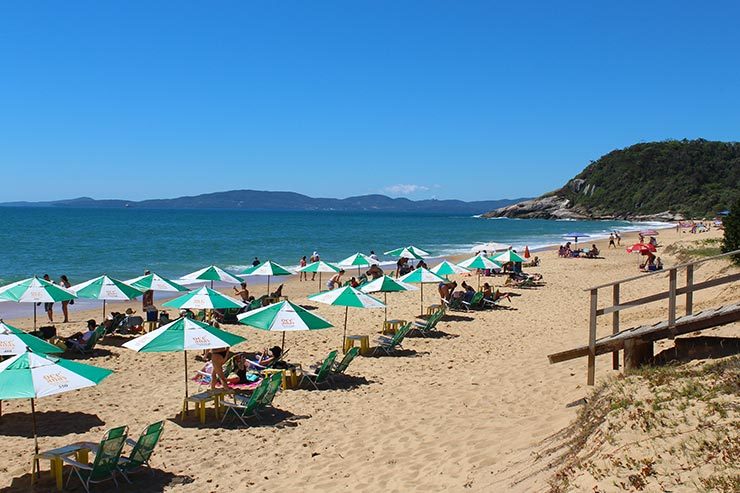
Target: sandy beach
[468,411]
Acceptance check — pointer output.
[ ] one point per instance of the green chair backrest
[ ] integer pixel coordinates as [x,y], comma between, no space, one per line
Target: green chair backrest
[108,453]
[97,335]
[342,366]
[400,334]
[145,445]
[477,298]
[254,400]
[326,366]
[254,304]
[273,386]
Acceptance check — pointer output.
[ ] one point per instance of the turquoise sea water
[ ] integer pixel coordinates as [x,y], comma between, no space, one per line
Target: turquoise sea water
[84,243]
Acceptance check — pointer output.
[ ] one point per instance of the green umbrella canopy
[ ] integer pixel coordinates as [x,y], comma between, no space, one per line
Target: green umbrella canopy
[105,288]
[184,334]
[283,317]
[358,259]
[211,273]
[155,282]
[421,276]
[14,341]
[35,290]
[268,268]
[204,298]
[447,268]
[320,266]
[347,296]
[408,252]
[479,262]
[508,256]
[30,375]
[387,284]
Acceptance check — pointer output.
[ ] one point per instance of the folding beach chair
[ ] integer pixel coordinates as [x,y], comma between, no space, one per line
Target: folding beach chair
[105,465]
[142,450]
[89,346]
[426,328]
[321,375]
[245,406]
[341,367]
[391,344]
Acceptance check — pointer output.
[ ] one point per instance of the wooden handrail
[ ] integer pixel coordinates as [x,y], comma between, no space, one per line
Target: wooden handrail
[663,271]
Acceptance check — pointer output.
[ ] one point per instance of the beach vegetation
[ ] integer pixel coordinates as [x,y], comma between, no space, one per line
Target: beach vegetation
[731,223]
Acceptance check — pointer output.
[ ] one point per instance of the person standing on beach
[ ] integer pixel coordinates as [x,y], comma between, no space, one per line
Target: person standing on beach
[49,307]
[611,241]
[147,301]
[304,275]
[63,281]
[373,256]
[314,258]
[256,262]
[618,237]
[335,281]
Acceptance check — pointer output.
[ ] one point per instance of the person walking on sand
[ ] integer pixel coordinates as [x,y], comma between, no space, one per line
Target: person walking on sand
[304,275]
[314,258]
[611,241]
[63,281]
[618,237]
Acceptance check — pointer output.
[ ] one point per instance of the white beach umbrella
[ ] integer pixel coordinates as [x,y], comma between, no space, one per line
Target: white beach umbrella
[210,273]
[421,276]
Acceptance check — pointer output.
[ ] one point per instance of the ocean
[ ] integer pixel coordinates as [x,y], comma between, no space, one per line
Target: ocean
[84,243]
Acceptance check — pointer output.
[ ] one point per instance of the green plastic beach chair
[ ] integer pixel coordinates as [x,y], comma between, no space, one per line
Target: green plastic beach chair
[391,344]
[426,328]
[245,406]
[321,375]
[89,346]
[105,465]
[142,450]
[341,367]
[475,303]
[273,386]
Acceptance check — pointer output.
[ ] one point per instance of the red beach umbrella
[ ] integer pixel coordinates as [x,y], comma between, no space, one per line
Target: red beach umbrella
[642,248]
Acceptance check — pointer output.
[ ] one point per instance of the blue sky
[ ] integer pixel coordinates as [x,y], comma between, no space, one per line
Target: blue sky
[471,100]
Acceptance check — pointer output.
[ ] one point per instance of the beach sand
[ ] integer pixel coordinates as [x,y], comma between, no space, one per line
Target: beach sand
[463,412]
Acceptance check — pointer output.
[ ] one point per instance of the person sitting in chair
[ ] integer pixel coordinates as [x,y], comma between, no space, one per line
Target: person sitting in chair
[243,292]
[80,338]
[272,358]
[277,293]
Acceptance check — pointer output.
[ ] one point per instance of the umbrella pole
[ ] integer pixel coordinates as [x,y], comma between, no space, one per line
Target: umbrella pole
[35,438]
[211,283]
[103,309]
[186,373]
[346,310]
[421,299]
[282,345]
[268,285]
[385,302]
[319,282]
[34,317]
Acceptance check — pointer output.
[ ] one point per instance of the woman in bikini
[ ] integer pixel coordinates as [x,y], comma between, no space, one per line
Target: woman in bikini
[218,358]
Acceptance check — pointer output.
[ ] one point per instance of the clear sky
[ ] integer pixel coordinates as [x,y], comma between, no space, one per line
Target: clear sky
[450,99]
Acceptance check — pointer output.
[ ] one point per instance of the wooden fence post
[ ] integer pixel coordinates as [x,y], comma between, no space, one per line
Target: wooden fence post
[592,338]
[689,289]
[672,301]
[615,324]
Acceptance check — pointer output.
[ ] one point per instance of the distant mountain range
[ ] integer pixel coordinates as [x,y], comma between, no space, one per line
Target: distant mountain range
[282,201]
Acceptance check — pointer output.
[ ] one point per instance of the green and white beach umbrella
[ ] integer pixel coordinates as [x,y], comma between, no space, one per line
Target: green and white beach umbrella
[347,297]
[421,276]
[283,317]
[320,267]
[268,269]
[204,298]
[15,341]
[106,289]
[508,256]
[410,252]
[35,290]
[30,376]
[211,273]
[447,268]
[357,260]
[155,282]
[184,334]
[385,285]
[479,262]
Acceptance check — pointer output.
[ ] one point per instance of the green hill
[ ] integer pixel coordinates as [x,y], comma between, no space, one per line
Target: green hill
[689,178]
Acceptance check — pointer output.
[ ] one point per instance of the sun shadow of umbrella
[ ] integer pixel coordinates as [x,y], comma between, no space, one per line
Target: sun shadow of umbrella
[50,423]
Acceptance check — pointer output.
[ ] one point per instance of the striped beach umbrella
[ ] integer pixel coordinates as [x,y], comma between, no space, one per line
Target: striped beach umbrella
[421,276]
[106,289]
[30,376]
[320,267]
[155,282]
[491,246]
[283,317]
[385,285]
[347,297]
[204,298]
[15,341]
[35,290]
[268,269]
[410,251]
[184,334]
[447,268]
[357,260]
[507,256]
[210,273]
[479,262]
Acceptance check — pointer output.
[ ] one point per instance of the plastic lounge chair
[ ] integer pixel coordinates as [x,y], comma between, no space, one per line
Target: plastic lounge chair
[425,328]
[455,304]
[89,346]
[341,367]
[475,303]
[245,406]
[272,388]
[391,344]
[142,450]
[321,375]
[105,465]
